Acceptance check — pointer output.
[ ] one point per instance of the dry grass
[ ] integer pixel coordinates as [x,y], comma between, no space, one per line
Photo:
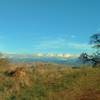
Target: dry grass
[42,81]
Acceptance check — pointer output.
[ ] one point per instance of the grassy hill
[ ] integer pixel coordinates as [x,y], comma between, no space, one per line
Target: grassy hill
[43,81]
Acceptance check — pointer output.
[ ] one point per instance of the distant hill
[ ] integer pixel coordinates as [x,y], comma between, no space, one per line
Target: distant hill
[69,61]
[59,59]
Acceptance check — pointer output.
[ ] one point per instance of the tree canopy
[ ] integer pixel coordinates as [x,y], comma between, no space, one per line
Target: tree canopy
[95,57]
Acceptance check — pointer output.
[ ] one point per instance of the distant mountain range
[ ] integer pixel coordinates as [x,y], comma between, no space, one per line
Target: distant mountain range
[47,58]
[69,61]
[49,55]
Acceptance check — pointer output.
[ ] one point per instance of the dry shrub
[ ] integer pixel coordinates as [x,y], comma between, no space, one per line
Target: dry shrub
[20,76]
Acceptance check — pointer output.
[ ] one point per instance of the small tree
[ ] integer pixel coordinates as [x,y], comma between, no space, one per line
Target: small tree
[95,57]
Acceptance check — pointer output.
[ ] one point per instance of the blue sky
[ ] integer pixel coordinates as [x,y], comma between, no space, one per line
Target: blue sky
[48,26]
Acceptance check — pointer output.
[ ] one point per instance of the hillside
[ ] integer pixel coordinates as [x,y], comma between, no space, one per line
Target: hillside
[46,81]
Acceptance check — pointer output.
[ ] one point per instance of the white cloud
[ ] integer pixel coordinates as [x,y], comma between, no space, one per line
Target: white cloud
[79,45]
[73,36]
[50,44]
[59,44]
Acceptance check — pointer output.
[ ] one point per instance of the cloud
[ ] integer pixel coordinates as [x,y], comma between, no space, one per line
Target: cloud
[73,36]
[50,44]
[79,45]
[60,44]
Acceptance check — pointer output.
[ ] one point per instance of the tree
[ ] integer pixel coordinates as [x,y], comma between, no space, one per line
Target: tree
[95,57]
[95,41]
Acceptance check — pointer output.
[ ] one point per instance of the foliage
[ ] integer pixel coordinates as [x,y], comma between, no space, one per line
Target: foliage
[95,40]
[95,57]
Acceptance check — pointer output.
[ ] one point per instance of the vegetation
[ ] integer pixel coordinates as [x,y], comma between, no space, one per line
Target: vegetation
[43,81]
[95,57]
[3,61]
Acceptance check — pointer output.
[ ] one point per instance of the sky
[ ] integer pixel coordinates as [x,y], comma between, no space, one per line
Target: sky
[48,26]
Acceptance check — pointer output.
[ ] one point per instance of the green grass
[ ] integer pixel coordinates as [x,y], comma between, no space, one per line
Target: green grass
[50,82]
